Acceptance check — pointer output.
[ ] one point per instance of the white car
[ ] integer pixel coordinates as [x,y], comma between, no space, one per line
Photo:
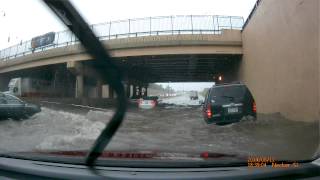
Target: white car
[148,102]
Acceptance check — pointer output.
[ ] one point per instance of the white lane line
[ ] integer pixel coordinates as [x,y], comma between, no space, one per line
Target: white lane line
[76,105]
[50,102]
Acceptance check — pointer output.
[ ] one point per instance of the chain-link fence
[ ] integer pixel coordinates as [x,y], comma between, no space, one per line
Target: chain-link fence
[151,26]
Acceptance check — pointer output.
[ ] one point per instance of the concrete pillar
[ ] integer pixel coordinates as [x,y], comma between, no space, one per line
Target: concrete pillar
[99,88]
[127,87]
[134,92]
[131,91]
[111,92]
[105,91]
[143,90]
[137,91]
[146,91]
[79,86]
[77,69]
[140,91]
[4,82]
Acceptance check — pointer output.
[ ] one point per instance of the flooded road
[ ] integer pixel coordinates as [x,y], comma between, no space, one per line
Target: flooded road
[166,128]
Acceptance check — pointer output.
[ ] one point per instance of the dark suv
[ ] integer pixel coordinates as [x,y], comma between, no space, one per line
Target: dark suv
[227,103]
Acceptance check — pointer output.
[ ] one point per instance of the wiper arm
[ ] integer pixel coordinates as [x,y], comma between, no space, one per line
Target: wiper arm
[103,64]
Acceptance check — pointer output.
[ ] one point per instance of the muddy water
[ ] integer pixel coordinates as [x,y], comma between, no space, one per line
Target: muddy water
[162,129]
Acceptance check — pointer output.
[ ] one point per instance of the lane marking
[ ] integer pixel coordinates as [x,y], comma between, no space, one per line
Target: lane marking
[76,105]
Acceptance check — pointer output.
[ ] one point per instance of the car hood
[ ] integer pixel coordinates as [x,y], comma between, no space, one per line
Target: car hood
[137,158]
[146,154]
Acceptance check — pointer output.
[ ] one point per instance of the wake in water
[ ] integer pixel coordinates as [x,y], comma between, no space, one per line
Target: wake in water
[54,130]
[79,132]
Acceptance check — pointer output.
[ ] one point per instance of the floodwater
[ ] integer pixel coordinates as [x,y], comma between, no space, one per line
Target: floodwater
[167,129]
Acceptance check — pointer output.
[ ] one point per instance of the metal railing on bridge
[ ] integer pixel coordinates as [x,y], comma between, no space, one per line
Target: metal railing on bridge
[151,26]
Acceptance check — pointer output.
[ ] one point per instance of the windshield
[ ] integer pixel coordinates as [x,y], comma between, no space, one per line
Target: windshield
[164,62]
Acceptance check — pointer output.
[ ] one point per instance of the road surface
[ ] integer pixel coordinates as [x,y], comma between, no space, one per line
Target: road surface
[177,126]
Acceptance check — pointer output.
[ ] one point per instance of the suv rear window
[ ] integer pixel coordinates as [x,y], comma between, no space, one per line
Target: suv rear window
[230,91]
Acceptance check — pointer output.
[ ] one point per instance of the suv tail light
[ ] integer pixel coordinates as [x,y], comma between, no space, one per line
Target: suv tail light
[208,111]
[254,107]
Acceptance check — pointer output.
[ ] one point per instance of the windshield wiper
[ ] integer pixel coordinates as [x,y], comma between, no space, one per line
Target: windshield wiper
[103,64]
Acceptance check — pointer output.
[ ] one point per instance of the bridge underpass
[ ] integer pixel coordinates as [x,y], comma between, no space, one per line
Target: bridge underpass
[138,72]
[180,68]
[146,59]
[60,78]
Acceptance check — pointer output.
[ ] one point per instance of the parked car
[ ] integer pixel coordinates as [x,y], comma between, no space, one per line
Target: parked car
[148,102]
[15,108]
[227,103]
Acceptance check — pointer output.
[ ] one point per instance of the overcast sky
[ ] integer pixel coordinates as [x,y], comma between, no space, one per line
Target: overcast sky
[24,19]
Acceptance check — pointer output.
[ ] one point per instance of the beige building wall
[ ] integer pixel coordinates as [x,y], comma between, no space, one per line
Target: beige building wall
[281,58]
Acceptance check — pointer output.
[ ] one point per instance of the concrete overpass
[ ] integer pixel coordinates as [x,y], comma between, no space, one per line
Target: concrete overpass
[179,53]
[150,53]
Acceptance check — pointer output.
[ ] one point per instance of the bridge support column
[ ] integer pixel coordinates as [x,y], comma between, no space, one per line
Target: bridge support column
[134,91]
[127,87]
[78,70]
[140,91]
[79,86]
[105,91]
[99,88]
[4,82]
[111,92]
[146,91]
[131,91]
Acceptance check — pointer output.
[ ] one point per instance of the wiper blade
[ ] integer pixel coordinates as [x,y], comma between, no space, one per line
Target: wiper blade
[103,64]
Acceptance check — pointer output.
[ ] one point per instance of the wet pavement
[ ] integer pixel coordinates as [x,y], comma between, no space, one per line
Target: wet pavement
[169,128]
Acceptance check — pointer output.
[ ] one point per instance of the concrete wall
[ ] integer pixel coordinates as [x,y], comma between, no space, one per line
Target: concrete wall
[281,58]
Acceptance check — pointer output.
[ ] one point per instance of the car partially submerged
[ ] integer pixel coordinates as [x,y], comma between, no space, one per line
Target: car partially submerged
[14,108]
[148,102]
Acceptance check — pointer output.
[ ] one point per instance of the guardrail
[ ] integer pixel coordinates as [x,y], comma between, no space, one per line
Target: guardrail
[251,13]
[151,26]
